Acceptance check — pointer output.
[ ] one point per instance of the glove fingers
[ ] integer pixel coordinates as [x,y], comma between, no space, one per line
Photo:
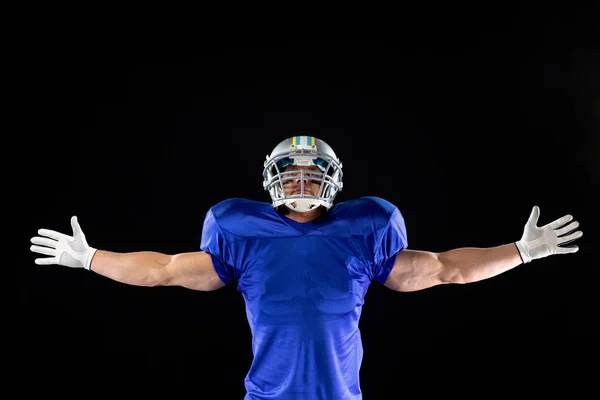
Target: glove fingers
[45,261]
[567,229]
[76,227]
[567,250]
[44,242]
[560,222]
[43,250]
[534,216]
[569,238]
[52,234]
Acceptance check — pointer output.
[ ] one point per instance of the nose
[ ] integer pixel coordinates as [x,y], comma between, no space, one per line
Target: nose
[301,182]
[299,178]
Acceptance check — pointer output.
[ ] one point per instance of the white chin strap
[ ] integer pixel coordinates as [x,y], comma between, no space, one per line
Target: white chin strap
[302,205]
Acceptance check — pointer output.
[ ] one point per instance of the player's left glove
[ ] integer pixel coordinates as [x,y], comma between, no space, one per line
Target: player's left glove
[538,242]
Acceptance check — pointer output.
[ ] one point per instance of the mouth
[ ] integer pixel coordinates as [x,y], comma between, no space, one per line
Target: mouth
[306,191]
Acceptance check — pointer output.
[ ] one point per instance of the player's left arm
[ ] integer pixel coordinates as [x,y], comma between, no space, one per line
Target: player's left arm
[416,270]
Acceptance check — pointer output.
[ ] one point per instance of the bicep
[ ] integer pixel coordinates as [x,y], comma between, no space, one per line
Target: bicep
[415,270]
[192,270]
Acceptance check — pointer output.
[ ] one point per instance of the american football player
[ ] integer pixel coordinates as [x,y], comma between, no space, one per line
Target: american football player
[303,266]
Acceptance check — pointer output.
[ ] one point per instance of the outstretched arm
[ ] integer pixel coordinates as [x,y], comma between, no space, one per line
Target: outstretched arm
[416,270]
[192,270]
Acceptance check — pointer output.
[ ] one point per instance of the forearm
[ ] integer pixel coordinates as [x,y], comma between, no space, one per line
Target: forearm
[465,265]
[143,268]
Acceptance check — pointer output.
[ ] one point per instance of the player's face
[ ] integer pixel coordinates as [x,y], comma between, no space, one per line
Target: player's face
[294,186]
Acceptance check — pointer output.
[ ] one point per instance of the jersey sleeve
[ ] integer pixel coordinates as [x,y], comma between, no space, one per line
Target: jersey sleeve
[392,240]
[214,242]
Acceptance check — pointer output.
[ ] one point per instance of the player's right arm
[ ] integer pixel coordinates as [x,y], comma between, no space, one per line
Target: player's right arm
[192,270]
[147,268]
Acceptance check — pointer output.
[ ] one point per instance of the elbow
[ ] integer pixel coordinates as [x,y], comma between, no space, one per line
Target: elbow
[451,270]
[452,275]
[156,277]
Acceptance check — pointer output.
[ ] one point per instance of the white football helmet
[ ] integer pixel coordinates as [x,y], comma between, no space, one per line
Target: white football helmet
[303,151]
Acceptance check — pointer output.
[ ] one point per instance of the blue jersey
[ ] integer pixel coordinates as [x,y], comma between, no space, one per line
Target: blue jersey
[304,285]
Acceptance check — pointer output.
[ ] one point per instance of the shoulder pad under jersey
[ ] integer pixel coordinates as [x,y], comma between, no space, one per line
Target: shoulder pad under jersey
[245,218]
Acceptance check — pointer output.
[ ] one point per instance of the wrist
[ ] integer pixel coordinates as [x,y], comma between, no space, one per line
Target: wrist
[89,255]
[523,251]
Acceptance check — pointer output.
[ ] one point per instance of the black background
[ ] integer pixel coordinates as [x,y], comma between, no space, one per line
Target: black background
[463,118]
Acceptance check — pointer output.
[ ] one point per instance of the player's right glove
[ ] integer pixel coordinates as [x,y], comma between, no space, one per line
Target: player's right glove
[69,251]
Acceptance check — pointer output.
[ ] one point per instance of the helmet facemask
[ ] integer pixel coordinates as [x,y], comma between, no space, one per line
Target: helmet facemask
[279,171]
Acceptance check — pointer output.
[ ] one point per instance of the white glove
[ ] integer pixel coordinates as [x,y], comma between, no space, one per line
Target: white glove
[538,242]
[64,250]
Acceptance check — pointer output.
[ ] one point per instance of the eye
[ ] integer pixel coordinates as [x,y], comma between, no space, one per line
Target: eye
[314,177]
